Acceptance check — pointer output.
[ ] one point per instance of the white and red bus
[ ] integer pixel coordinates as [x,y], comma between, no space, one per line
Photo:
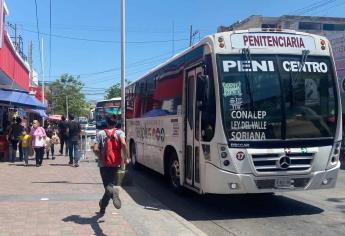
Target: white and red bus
[247,111]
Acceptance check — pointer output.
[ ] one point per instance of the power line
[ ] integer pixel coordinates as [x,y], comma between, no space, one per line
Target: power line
[336,5]
[104,41]
[131,65]
[98,28]
[305,7]
[312,7]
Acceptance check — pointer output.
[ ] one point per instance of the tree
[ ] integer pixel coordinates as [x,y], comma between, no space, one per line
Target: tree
[67,91]
[115,90]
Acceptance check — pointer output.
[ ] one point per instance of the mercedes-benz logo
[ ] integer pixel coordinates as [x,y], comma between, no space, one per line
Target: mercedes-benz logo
[284,162]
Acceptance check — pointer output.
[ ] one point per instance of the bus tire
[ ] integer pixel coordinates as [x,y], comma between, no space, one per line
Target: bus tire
[174,173]
[133,155]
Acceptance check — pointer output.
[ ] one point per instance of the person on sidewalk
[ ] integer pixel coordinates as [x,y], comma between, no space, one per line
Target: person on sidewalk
[107,147]
[15,131]
[49,131]
[63,132]
[25,140]
[55,140]
[38,134]
[74,131]
[47,145]
[24,125]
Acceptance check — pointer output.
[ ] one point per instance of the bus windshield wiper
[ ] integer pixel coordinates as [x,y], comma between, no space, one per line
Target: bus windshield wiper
[246,53]
[305,54]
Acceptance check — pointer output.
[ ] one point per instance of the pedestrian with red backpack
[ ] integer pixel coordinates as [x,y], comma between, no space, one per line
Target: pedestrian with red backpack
[108,145]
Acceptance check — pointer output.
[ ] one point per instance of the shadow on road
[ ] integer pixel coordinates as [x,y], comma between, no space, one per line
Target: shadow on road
[23,165]
[59,164]
[60,182]
[194,207]
[92,221]
[342,165]
[340,203]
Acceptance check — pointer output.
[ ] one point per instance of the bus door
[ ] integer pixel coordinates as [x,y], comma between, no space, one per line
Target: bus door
[193,147]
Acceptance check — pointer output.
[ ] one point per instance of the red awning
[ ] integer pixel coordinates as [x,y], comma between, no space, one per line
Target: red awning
[54,117]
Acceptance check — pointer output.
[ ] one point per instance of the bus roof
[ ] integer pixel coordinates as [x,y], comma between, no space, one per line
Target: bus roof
[213,39]
[111,99]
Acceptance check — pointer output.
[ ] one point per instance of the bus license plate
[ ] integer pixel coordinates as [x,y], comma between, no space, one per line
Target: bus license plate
[283,183]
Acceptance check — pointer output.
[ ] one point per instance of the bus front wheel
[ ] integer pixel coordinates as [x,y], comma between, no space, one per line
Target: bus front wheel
[174,173]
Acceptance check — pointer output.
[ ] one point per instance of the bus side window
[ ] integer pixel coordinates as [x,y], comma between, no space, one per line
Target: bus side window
[208,118]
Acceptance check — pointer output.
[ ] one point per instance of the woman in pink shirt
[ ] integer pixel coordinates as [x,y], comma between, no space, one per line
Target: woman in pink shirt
[38,135]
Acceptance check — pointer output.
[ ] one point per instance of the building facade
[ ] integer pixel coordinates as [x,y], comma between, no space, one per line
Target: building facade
[14,71]
[15,99]
[310,24]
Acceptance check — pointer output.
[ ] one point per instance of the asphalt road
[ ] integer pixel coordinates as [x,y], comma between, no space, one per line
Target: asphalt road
[317,212]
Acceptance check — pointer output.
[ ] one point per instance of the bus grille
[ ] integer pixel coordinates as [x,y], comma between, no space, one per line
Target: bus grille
[270,162]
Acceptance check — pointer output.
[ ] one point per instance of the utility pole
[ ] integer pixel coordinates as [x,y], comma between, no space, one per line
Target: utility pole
[173,38]
[123,103]
[42,69]
[15,37]
[66,106]
[191,35]
[30,61]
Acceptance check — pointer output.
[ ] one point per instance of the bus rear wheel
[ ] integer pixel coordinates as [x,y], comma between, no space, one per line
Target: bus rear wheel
[174,173]
[133,155]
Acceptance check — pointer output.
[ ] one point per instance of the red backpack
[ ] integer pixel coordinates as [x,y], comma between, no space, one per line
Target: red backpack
[112,150]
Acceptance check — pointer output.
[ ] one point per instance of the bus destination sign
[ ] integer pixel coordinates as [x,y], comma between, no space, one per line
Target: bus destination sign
[267,40]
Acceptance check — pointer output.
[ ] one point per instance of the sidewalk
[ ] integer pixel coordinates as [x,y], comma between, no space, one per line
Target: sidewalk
[57,199]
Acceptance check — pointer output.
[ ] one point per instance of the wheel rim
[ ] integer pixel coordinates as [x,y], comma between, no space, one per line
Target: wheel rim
[175,173]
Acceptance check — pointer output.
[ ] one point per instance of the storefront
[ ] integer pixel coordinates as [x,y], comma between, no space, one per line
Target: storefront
[16,103]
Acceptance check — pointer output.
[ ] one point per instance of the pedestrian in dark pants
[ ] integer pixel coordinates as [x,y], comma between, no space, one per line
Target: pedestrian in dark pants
[38,135]
[15,131]
[63,132]
[108,172]
[73,141]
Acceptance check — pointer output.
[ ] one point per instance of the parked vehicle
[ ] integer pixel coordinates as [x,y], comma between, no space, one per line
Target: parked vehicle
[82,121]
[90,130]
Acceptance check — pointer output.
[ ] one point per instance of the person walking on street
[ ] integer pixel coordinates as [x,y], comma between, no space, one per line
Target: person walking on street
[63,132]
[55,140]
[47,145]
[25,140]
[74,141]
[49,131]
[38,134]
[15,131]
[107,147]
[24,125]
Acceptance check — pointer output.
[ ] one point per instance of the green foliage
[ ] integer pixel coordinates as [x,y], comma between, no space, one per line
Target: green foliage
[67,88]
[115,90]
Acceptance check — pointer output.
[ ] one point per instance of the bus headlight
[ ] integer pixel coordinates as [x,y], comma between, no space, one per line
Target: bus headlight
[334,157]
[224,155]
[225,158]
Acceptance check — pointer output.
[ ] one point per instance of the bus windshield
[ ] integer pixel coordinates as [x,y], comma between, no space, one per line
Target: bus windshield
[105,108]
[277,97]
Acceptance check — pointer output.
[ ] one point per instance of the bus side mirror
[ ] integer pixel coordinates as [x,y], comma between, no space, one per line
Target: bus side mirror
[201,91]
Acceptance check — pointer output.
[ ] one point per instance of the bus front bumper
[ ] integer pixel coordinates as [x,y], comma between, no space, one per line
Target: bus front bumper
[219,181]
